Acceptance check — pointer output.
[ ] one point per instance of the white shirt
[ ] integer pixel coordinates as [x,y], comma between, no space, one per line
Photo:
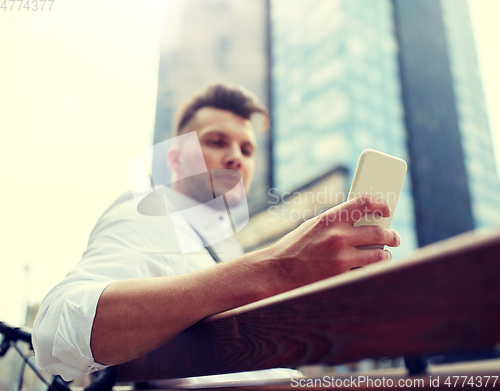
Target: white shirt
[123,244]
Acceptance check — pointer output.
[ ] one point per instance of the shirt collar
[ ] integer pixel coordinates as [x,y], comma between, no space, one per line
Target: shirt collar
[207,219]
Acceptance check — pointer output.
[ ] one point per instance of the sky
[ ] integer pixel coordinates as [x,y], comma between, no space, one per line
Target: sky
[78,88]
[484,17]
[77,102]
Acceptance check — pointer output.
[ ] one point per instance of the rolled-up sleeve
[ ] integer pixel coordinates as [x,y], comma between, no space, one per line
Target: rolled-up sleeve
[61,334]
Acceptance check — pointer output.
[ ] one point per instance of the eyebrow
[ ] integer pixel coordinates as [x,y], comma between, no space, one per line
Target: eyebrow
[248,143]
[217,132]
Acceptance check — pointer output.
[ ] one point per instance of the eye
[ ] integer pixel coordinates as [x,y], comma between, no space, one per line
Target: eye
[215,142]
[247,151]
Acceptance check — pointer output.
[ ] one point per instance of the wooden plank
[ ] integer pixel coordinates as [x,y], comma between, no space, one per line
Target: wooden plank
[445,297]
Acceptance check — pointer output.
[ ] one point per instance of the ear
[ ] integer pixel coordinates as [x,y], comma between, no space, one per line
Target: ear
[173,159]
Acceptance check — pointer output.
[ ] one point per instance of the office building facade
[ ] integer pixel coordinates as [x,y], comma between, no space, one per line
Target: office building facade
[336,91]
[350,75]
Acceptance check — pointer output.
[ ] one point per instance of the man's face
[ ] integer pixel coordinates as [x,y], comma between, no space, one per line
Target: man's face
[228,143]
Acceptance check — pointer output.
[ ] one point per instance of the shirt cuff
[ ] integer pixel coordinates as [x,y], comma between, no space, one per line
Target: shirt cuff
[72,339]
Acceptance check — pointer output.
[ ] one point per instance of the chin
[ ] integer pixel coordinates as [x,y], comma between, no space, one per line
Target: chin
[235,201]
[233,191]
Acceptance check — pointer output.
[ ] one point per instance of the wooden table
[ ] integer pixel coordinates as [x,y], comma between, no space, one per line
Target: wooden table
[443,298]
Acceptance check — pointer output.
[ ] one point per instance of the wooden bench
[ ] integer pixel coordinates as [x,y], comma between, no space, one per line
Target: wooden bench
[444,298]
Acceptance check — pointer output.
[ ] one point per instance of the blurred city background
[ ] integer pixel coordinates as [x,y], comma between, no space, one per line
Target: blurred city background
[88,86]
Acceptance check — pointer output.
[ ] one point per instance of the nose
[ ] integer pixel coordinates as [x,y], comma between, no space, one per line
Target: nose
[232,159]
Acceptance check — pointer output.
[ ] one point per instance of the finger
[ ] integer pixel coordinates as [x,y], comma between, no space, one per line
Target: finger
[351,211]
[368,257]
[373,234]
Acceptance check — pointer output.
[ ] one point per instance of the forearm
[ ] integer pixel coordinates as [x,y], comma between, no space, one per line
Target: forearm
[136,316]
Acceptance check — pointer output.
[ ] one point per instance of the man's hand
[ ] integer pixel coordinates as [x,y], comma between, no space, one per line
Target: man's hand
[326,245]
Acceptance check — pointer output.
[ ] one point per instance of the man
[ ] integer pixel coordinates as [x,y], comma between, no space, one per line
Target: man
[135,289]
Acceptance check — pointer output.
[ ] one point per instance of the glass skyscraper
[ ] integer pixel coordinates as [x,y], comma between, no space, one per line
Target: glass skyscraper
[336,91]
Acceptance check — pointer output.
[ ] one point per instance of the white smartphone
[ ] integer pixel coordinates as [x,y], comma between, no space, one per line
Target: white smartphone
[381,176]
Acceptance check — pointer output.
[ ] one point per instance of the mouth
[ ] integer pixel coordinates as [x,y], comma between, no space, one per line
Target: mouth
[224,180]
[226,176]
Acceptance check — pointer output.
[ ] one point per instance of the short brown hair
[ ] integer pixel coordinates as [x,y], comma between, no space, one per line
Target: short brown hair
[236,99]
